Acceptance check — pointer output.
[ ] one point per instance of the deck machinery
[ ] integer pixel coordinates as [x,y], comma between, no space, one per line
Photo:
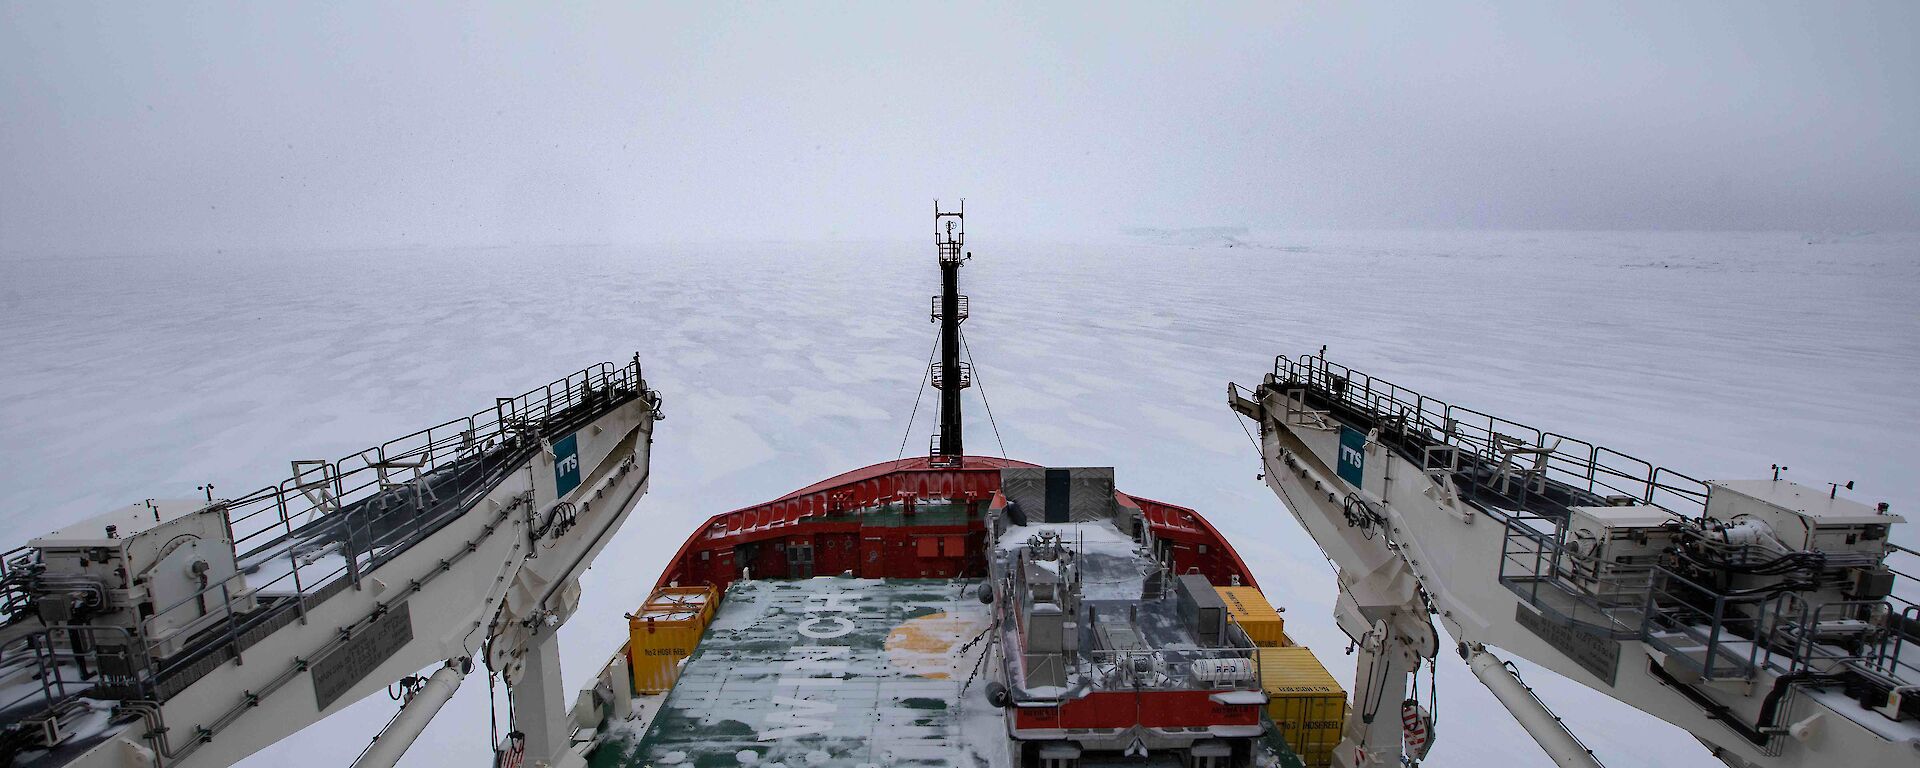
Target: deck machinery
[1763,617]
[1107,647]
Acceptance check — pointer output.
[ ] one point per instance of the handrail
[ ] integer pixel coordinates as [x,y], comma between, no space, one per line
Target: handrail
[1731,633]
[434,453]
[56,674]
[1662,622]
[1595,469]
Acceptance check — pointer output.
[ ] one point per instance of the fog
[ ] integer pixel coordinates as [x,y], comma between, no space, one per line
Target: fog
[165,127]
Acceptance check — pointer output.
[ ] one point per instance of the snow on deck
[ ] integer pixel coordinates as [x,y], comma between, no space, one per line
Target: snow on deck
[1112,565]
[1089,536]
[827,672]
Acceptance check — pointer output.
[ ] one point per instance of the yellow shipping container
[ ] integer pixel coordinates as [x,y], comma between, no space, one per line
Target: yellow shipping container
[700,599]
[1308,707]
[664,633]
[1250,609]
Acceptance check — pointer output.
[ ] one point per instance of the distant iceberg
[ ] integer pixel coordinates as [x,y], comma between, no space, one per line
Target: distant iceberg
[1229,236]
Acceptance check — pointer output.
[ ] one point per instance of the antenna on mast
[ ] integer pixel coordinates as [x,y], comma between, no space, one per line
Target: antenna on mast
[950,375]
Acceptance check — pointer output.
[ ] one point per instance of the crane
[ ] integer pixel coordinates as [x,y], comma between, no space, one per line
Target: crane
[1760,616]
[194,632]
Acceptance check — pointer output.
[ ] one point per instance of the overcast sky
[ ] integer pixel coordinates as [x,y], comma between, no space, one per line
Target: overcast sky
[161,127]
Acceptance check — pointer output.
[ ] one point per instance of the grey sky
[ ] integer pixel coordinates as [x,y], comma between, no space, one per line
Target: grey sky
[158,127]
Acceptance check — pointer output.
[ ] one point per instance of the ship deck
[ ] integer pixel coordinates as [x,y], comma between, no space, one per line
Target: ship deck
[825,672]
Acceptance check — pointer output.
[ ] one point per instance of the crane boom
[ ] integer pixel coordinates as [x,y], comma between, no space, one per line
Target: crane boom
[1759,616]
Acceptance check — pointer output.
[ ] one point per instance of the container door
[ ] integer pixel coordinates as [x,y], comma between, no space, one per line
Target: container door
[873,557]
[800,560]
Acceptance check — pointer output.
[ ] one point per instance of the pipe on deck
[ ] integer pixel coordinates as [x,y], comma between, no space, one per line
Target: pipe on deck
[393,741]
[1560,744]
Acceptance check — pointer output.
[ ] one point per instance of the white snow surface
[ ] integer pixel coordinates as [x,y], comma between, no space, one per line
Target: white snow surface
[1111,568]
[1719,354]
[1091,536]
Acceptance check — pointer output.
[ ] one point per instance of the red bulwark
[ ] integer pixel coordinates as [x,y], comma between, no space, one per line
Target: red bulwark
[766,537]
[1196,545]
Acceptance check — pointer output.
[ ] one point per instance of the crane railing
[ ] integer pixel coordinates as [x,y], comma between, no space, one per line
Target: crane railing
[1514,460]
[1605,597]
[37,674]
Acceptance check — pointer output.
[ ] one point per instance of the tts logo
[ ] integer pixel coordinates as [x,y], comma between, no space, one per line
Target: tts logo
[570,463]
[1351,455]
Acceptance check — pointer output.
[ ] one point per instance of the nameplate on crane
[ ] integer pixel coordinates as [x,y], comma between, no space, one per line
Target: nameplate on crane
[1352,461]
[1594,653]
[350,662]
[566,465]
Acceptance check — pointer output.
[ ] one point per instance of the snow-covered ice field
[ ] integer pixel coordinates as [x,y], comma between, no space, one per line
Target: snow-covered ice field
[127,377]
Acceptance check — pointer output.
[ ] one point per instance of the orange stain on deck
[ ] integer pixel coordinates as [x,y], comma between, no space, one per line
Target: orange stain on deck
[925,646]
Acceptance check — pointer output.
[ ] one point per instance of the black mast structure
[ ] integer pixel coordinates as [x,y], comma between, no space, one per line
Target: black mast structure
[950,375]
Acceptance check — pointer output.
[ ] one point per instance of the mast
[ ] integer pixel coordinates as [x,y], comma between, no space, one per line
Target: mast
[950,375]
